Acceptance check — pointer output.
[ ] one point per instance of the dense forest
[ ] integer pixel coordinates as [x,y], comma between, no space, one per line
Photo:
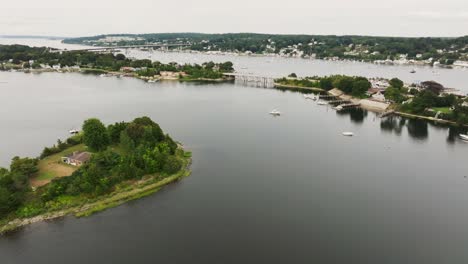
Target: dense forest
[121,152]
[24,57]
[368,48]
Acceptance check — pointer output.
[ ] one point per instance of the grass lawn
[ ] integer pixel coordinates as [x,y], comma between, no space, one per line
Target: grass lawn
[52,167]
[444,110]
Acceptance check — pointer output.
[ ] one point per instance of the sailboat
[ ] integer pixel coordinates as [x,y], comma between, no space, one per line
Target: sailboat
[275,112]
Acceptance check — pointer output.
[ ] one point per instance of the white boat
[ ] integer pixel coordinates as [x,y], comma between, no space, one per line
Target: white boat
[322,103]
[309,96]
[275,112]
[103,75]
[152,80]
[464,137]
[348,134]
[339,108]
[73,131]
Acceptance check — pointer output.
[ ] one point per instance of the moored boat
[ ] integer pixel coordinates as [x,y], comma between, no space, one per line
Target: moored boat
[275,112]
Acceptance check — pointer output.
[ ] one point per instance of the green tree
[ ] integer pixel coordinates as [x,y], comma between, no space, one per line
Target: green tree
[360,87]
[396,83]
[394,94]
[172,165]
[95,134]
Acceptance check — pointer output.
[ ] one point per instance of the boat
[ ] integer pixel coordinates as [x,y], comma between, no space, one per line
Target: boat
[309,96]
[103,75]
[464,137]
[348,134]
[322,103]
[73,131]
[275,112]
[339,108]
[413,71]
[152,80]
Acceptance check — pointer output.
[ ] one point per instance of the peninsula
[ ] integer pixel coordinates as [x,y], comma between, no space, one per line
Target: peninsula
[42,59]
[98,168]
[426,100]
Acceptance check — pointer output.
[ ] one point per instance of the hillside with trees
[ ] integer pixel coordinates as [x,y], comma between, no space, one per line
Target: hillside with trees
[367,48]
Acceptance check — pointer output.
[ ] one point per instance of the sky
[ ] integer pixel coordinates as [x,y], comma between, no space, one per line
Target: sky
[413,18]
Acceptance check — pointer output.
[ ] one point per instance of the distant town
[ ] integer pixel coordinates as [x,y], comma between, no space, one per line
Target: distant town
[442,52]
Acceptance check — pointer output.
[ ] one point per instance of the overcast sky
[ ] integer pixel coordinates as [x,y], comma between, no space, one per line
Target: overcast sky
[341,17]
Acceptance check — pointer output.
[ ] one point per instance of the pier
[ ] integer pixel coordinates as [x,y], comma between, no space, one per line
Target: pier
[252,80]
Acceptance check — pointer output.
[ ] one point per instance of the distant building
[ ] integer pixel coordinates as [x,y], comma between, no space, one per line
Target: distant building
[127,69]
[460,63]
[378,97]
[373,91]
[77,158]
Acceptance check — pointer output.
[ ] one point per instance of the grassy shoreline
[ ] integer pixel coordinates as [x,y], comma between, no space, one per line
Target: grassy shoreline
[287,86]
[150,184]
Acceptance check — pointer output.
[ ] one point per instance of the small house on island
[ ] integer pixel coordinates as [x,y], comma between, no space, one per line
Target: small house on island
[77,158]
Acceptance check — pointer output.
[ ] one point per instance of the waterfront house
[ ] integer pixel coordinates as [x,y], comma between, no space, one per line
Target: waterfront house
[373,91]
[77,158]
[379,97]
[127,69]
[172,75]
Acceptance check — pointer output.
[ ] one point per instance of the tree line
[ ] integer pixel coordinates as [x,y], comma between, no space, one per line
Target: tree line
[22,55]
[368,48]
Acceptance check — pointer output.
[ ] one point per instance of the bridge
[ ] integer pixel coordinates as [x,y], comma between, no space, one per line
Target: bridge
[252,80]
[161,46]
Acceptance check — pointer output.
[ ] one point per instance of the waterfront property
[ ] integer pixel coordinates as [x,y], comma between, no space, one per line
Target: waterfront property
[77,158]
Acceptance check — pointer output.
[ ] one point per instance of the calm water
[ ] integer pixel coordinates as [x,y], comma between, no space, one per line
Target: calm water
[263,190]
[280,67]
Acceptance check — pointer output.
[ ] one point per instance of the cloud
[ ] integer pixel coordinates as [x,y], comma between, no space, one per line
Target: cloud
[440,15]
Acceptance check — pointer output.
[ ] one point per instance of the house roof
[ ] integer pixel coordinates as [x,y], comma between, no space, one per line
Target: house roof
[375,90]
[80,156]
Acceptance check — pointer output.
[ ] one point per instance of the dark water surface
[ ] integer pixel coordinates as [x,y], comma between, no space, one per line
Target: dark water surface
[263,190]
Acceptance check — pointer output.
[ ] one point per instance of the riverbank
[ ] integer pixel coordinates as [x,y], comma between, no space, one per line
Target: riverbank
[84,207]
[120,74]
[296,87]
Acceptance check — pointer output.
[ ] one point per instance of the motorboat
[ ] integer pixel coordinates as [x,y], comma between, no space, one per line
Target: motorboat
[309,96]
[413,71]
[464,137]
[152,80]
[339,108]
[348,134]
[275,112]
[322,103]
[73,131]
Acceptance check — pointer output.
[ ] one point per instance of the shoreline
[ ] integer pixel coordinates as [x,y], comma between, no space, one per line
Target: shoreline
[292,87]
[369,105]
[148,185]
[98,72]
[416,63]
